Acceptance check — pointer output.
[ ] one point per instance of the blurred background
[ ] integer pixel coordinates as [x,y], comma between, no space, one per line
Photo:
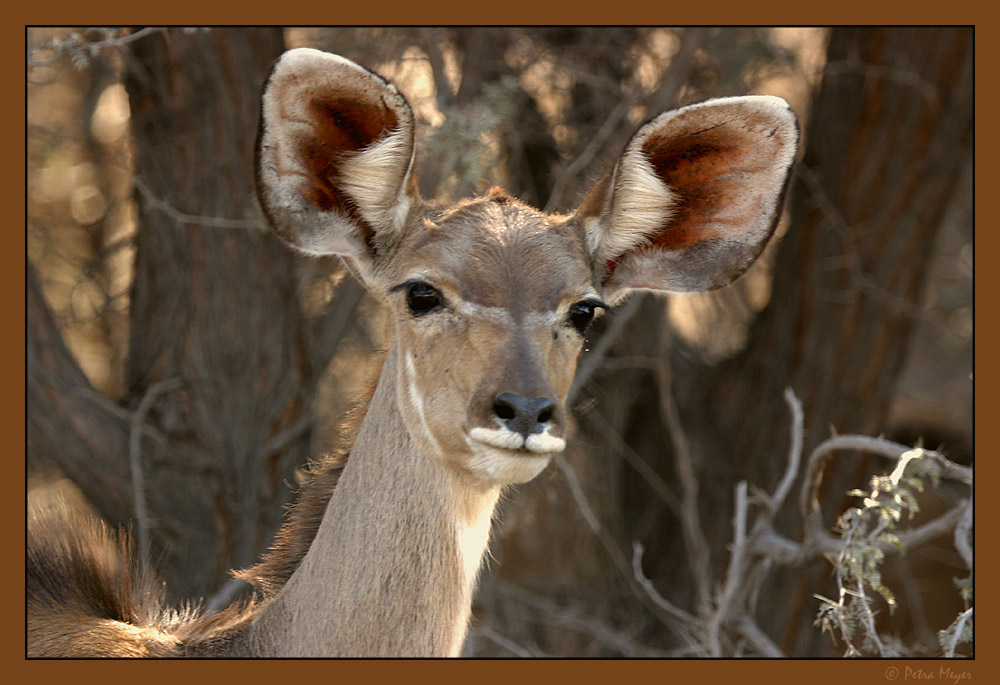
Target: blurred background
[183,365]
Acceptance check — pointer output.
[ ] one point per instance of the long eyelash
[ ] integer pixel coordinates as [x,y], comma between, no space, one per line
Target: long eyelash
[406,284]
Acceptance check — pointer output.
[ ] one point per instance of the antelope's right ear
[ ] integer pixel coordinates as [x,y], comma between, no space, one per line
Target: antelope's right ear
[334,156]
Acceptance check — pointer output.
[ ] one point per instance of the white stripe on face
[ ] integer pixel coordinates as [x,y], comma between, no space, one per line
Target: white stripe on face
[418,403]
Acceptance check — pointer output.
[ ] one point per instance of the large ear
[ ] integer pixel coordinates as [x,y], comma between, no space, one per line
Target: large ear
[694,197]
[334,156]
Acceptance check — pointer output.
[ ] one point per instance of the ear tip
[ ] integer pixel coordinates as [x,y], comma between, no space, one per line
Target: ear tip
[324,65]
[309,68]
[770,106]
[773,105]
[298,58]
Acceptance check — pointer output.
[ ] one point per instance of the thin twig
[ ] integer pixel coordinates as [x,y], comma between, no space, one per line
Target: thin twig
[694,537]
[794,454]
[787,552]
[581,161]
[963,532]
[120,41]
[869,617]
[734,575]
[182,218]
[596,628]
[577,492]
[650,589]
[636,461]
[752,633]
[860,281]
[674,618]
[288,435]
[135,459]
[906,77]
[949,652]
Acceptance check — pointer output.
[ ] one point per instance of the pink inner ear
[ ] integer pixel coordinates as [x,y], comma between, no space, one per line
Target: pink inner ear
[339,126]
[696,167]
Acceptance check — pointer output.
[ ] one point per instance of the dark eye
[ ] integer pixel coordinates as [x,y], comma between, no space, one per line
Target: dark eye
[422,298]
[581,314]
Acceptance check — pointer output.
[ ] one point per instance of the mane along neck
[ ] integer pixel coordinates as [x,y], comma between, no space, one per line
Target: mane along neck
[306,513]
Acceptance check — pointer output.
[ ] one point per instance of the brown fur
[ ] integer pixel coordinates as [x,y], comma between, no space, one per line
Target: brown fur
[86,597]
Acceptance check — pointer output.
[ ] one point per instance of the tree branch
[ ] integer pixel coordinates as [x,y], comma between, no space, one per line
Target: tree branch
[672,617]
[183,218]
[734,575]
[135,460]
[90,48]
[64,424]
[694,538]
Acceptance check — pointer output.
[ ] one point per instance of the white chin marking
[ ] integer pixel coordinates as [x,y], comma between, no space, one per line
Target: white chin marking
[494,456]
[543,443]
[498,437]
[502,466]
[539,443]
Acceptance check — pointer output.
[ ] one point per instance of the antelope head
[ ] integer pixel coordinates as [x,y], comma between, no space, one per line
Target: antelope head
[491,297]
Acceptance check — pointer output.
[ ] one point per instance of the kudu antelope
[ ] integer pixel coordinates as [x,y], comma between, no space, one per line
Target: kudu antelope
[491,300]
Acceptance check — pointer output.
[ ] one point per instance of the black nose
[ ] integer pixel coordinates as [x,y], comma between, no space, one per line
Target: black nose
[524,415]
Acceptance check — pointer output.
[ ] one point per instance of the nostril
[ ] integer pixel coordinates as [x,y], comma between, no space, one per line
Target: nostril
[524,415]
[504,410]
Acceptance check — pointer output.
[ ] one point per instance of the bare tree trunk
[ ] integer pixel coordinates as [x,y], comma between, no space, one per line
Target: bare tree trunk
[212,306]
[222,361]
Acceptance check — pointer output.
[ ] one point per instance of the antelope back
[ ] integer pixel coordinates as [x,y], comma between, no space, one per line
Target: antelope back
[491,297]
[86,595]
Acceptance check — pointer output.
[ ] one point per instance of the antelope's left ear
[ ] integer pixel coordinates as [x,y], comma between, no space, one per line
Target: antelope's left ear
[694,197]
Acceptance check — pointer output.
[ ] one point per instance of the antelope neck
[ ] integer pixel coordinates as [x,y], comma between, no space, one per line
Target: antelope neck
[393,566]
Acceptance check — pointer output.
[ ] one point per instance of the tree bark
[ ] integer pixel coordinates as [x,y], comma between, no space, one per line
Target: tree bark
[213,306]
[221,359]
